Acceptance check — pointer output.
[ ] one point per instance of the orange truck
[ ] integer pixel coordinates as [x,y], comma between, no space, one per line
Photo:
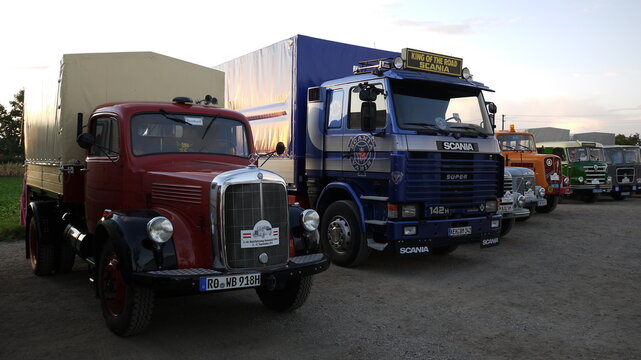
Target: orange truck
[519,149]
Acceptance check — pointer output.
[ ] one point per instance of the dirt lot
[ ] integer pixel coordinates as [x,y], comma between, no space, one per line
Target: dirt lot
[561,285]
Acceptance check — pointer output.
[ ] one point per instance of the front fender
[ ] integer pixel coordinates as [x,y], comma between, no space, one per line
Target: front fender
[127,230]
[305,242]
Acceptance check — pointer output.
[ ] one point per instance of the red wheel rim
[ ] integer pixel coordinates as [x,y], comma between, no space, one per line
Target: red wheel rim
[33,244]
[114,289]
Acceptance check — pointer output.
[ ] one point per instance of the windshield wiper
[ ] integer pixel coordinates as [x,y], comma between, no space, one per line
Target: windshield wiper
[428,126]
[467,127]
[209,125]
[164,113]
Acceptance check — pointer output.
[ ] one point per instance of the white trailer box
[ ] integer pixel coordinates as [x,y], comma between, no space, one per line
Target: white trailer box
[85,81]
[549,134]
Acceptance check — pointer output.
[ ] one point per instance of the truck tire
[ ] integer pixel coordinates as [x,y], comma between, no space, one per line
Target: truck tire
[589,197]
[506,226]
[341,235]
[289,298]
[617,196]
[64,257]
[126,308]
[41,252]
[553,201]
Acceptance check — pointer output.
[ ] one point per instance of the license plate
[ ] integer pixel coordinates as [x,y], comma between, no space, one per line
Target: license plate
[214,283]
[597,190]
[542,202]
[460,231]
[506,208]
[489,242]
[625,193]
[554,177]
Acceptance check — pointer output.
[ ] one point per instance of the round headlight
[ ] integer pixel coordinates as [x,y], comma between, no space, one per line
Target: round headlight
[609,179]
[541,192]
[466,74]
[521,200]
[528,184]
[639,181]
[310,219]
[566,180]
[580,179]
[160,229]
[398,62]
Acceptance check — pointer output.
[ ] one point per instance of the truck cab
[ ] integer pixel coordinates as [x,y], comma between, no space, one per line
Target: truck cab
[519,150]
[624,167]
[157,197]
[584,163]
[410,152]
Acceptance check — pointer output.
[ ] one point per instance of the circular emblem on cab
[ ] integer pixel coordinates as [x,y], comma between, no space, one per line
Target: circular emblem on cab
[596,167]
[260,175]
[362,149]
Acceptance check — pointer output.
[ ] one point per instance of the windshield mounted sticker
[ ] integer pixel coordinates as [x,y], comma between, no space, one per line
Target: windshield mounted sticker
[362,151]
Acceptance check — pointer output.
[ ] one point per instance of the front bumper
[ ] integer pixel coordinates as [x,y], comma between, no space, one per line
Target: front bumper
[188,280]
[435,233]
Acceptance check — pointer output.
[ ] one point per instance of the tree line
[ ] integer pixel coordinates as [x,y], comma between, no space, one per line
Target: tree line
[11,138]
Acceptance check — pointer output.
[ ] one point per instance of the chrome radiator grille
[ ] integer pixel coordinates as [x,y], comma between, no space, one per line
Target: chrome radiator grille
[595,172]
[244,206]
[625,173]
[507,183]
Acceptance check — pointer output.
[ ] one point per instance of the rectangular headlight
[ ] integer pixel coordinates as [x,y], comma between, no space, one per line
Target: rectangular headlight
[491,206]
[408,211]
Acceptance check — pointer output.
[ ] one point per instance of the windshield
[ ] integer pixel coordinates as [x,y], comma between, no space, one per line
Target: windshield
[622,155]
[419,106]
[586,154]
[177,133]
[516,142]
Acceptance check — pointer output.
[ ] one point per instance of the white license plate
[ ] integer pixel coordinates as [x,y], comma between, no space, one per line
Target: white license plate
[506,208]
[460,231]
[213,283]
[625,193]
[597,190]
[542,202]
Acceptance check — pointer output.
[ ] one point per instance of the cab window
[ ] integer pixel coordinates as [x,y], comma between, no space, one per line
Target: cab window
[335,113]
[105,130]
[354,121]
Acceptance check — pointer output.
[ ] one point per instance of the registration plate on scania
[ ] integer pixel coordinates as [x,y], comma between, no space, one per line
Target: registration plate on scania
[460,231]
[213,283]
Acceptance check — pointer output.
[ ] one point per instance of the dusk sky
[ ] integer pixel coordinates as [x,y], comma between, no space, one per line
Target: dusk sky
[569,64]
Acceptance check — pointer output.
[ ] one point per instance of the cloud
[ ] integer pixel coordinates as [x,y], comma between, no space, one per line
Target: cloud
[577,114]
[466,27]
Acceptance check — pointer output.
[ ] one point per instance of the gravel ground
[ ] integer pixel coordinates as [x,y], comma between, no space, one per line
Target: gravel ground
[561,285]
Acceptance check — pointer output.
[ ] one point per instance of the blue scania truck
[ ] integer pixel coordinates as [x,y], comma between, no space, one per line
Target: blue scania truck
[394,150]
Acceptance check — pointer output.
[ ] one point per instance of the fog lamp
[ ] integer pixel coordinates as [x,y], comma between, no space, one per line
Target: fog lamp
[160,229]
[495,223]
[409,230]
[310,219]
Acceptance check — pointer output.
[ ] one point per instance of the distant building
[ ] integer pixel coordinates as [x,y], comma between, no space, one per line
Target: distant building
[600,137]
[549,134]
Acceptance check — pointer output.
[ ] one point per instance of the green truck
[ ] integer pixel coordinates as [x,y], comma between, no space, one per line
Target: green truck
[584,163]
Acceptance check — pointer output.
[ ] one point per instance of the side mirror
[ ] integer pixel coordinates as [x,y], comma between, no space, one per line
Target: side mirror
[280,148]
[368,116]
[491,107]
[86,140]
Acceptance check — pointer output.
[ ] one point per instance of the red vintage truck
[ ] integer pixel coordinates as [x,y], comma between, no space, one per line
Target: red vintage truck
[157,197]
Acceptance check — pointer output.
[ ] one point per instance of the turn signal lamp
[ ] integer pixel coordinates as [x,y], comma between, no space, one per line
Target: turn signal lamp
[512,128]
[392,211]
